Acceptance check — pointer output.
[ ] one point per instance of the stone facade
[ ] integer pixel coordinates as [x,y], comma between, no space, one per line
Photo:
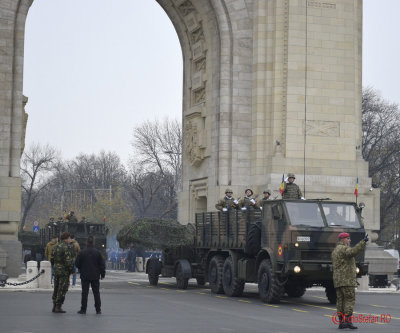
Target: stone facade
[270,87]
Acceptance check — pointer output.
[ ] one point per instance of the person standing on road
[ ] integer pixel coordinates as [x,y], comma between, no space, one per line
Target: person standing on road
[48,250]
[131,259]
[91,266]
[63,265]
[344,277]
[75,250]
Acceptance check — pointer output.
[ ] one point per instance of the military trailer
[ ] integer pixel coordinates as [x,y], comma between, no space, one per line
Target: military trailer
[80,230]
[284,248]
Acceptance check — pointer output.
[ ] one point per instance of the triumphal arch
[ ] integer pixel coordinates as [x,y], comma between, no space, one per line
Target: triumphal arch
[270,87]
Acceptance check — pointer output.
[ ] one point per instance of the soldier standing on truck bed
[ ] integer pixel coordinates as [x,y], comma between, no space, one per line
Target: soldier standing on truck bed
[248,201]
[71,217]
[291,190]
[267,194]
[227,202]
[344,277]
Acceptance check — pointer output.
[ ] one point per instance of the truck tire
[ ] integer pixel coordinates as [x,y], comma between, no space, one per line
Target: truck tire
[330,293]
[293,290]
[232,285]
[269,288]
[153,271]
[215,274]
[253,239]
[181,281]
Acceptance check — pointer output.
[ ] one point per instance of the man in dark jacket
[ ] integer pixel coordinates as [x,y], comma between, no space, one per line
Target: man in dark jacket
[91,266]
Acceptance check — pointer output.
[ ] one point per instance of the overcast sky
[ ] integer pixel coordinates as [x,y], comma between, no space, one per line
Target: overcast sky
[95,69]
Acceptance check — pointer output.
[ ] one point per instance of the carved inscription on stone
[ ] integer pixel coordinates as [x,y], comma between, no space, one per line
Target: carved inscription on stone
[323,128]
[318,4]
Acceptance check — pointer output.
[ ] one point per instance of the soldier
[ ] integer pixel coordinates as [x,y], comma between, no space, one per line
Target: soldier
[248,200]
[48,251]
[267,194]
[71,217]
[227,202]
[61,259]
[291,190]
[344,277]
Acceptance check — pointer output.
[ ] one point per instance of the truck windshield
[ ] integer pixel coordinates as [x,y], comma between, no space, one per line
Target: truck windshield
[305,213]
[341,215]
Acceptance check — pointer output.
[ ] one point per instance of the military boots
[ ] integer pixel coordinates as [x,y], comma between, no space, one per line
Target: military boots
[58,309]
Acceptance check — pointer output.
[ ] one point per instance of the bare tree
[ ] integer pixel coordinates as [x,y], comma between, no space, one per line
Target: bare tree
[37,166]
[158,156]
[158,147]
[381,148]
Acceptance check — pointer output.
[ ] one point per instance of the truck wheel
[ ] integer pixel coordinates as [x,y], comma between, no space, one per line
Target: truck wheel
[294,290]
[231,284]
[253,239]
[181,282]
[330,292]
[268,285]
[215,273]
[152,271]
[201,281]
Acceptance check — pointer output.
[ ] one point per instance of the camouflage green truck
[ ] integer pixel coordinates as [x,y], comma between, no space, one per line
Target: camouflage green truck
[284,248]
[80,230]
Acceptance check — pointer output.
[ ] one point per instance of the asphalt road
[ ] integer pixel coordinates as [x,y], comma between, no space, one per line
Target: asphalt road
[131,305]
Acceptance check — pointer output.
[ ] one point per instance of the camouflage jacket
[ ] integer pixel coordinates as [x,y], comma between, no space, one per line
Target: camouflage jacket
[225,202]
[62,259]
[344,264]
[291,191]
[245,202]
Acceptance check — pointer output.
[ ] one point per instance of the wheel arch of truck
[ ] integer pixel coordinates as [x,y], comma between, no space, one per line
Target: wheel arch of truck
[265,253]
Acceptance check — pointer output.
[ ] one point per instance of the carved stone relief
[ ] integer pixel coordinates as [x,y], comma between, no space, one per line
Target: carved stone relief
[194,132]
[323,128]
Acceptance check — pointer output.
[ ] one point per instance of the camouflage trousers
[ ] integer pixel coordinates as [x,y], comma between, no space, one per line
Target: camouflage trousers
[346,297]
[61,284]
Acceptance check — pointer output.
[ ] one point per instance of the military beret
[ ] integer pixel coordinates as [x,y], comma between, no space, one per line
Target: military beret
[343,235]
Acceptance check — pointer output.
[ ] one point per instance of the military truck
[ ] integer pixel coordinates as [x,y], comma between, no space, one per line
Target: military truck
[284,248]
[80,230]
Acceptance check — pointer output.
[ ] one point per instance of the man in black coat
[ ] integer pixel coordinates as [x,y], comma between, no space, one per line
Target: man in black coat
[91,266]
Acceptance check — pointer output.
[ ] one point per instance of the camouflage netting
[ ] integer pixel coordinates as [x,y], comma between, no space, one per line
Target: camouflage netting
[156,234]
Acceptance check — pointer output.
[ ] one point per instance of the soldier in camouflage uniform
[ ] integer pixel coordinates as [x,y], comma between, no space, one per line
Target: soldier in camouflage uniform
[344,277]
[291,190]
[248,201]
[227,202]
[267,194]
[62,261]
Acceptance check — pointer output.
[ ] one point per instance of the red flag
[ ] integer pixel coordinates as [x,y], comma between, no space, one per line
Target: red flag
[282,187]
[356,189]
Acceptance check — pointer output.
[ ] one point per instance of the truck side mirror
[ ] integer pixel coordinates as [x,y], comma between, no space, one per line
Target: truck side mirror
[275,212]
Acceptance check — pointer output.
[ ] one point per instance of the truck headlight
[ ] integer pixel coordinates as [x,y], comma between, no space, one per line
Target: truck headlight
[297,269]
[296,244]
[358,270]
